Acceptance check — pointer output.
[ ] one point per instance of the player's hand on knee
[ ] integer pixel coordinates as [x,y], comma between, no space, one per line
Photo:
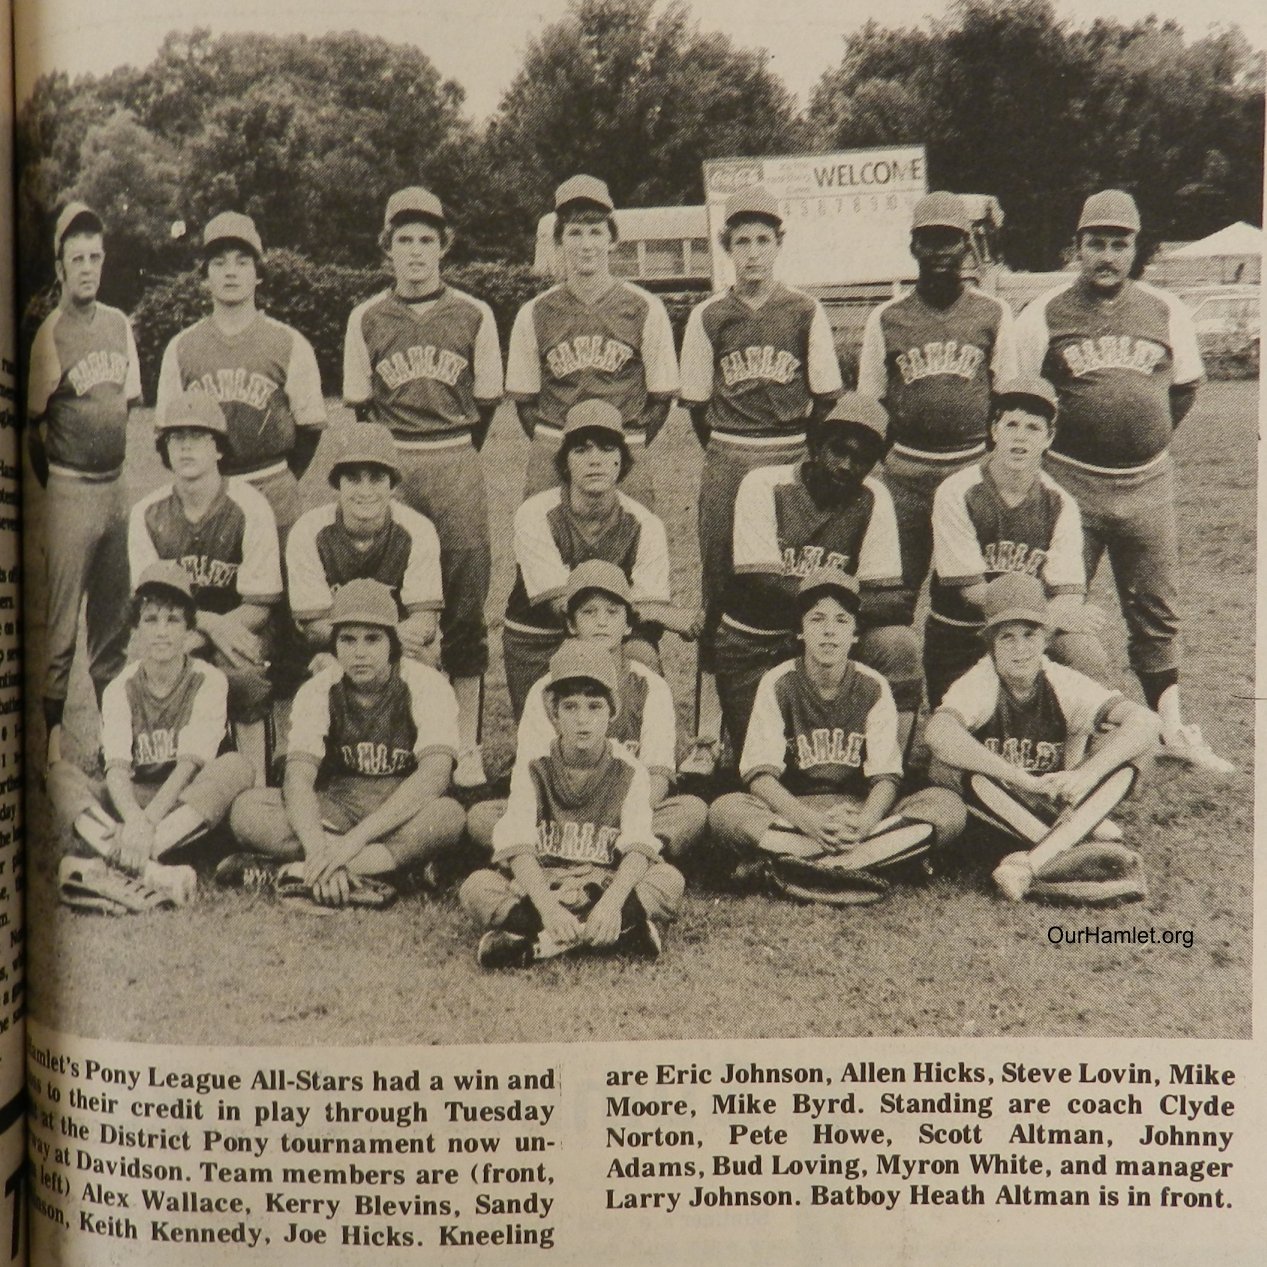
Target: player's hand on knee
[1070,786]
[239,646]
[602,928]
[334,890]
[418,639]
[1034,785]
[842,822]
[560,924]
[136,840]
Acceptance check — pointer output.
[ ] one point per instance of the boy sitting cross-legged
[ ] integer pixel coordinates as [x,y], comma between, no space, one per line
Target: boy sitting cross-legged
[576,861]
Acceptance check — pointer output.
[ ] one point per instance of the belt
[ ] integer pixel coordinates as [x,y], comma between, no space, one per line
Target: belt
[1120,472]
[922,455]
[87,477]
[790,441]
[261,472]
[632,438]
[453,441]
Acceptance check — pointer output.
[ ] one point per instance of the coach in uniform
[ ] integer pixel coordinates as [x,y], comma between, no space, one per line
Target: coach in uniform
[591,337]
[424,360]
[84,378]
[758,364]
[1124,360]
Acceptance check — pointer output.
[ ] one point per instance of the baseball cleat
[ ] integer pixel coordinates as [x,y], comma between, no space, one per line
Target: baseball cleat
[702,760]
[91,884]
[247,871]
[1186,743]
[178,883]
[500,949]
[469,771]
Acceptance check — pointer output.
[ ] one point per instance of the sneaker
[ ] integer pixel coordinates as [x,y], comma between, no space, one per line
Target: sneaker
[178,883]
[642,938]
[1187,744]
[500,949]
[248,872]
[370,892]
[469,771]
[703,758]
[91,884]
[1107,831]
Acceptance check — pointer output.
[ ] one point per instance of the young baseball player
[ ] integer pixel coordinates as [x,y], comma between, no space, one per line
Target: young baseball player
[586,517]
[263,373]
[424,360]
[576,860]
[1005,515]
[930,357]
[373,740]
[166,782]
[365,535]
[84,378]
[1022,734]
[821,759]
[1124,360]
[591,337]
[600,609]
[222,532]
[758,365]
[790,520]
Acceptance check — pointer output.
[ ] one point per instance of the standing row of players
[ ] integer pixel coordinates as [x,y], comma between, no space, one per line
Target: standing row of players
[593,371]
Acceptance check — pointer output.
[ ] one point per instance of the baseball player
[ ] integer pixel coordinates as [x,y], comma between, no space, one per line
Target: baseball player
[263,374]
[586,517]
[821,759]
[84,378]
[930,357]
[590,338]
[166,782]
[576,860]
[222,532]
[1005,515]
[1124,360]
[758,364]
[790,520]
[365,535]
[424,360]
[373,741]
[1042,736]
[600,609]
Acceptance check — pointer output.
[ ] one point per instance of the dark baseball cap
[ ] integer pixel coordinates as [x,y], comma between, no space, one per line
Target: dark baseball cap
[75,215]
[854,410]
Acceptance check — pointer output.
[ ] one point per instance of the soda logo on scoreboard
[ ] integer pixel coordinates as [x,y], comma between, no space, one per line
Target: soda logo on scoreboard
[726,179]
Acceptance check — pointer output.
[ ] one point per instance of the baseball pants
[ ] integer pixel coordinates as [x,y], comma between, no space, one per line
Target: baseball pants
[444,480]
[86,550]
[912,482]
[280,488]
[542,472]
[259,820]
[1133,518]
[727,459]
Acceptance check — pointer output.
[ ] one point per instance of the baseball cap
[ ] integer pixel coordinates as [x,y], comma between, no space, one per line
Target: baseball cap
[593,415]
[1015,596]
[364,443]
[1110,209]
[598,574]
[232,226]
[1030,388]
[195,409]
[828,580]
[72,214]
[941,210]
[364,602]
[166,574]
[583,189]
[416,201]
[853,409]
[756,201]
[577,659]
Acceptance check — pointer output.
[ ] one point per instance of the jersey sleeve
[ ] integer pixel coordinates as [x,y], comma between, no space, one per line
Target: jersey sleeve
[697,360]
[824,365]
[657,744]
[141,549]
[756,530]
[303,384]
[880,555]
[116,726]
[650,579]
[1083,700]
[1188,367]
[884,756]
[132,381]
[307,589]
[1004,363]
[873,377]
[45,370]
[200,738]
[765,745]
[1032,338]
[1064,571]
[636,833]
[421,588]
[544,572]
[358,387]
[516,830]
[487,369]
[659,355]
[170,385]
[957,557]
[260,574]
[973,698]
[310,719]
[434,708]
[523,358]
[535,733]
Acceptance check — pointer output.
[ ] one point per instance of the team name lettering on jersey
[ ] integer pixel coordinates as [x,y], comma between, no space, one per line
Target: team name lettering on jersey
[421,363]
[375,758]
[824,746]
[98,367]
[211,573]
[154,747]
[238,386]
[1026,754]
[940,357]
[588,352]
[1013,556]
[801,561]
[577,842]
[766,363]
[1112,352]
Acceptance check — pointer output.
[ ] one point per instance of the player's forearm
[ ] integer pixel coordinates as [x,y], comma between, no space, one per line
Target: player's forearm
[302,806]
[531,879]
[655,414]
[303,450]
[251,616]
[880,797]
[122,793]
[418,632]
[1137,734]
[165,799]
[633,866]
[425,784]
[765,787]
[949,742]
[660,787]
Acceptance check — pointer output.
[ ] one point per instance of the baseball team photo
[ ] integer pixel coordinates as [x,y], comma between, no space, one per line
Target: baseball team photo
[624,522]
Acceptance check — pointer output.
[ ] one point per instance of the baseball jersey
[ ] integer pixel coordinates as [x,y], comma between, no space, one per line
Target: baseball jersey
[813,745]
[321,556]
[84,374]
[147,734]
[780,531]
[977,537]
[645,725]
[618,349]
[575,816]
[231,553]
[1112,365]
[1064,711]
[424,366]
[550,540]
[265,378]
[412,716]
[759,368]
[933,368]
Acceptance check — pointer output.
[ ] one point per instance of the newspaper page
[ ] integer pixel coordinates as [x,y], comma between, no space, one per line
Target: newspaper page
[475,811]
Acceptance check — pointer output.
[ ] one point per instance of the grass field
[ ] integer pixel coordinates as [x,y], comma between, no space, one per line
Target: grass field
[948,959]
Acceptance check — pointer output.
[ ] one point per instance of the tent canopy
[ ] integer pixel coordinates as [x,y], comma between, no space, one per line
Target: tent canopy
[1236,239]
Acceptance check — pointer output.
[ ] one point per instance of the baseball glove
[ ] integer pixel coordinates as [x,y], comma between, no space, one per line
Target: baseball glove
[1093,873]
[91,884]
[814,880]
